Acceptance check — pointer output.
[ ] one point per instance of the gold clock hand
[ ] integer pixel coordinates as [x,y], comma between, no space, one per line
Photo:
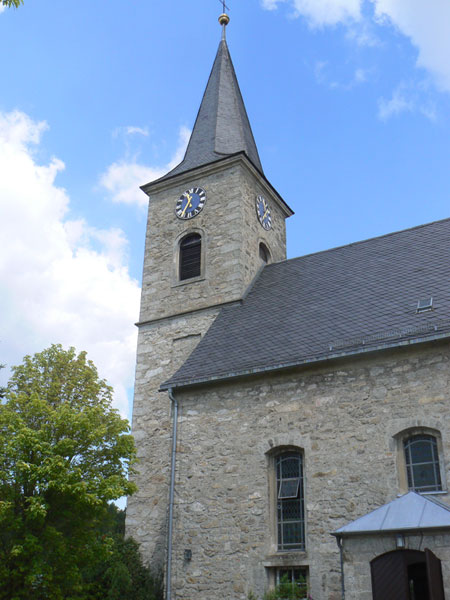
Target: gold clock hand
[188,203]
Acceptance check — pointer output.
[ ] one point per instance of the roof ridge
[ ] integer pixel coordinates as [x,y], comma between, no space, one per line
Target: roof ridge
[358,242]
[436,501]
[216,116]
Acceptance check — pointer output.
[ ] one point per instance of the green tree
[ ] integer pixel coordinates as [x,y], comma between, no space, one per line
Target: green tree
[15,3]
[64,454]
[2,390]
[121,575]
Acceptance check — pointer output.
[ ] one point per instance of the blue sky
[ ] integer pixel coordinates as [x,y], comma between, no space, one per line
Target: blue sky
[349,101]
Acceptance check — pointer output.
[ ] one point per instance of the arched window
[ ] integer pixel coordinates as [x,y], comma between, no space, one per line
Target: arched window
[264,253]
[423,469]
[290,509]
[190,256]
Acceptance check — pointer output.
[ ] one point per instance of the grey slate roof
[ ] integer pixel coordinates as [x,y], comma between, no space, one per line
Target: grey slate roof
[338,302]
[409,512]
[222,126]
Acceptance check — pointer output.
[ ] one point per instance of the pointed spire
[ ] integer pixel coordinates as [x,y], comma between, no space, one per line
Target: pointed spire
[222,126]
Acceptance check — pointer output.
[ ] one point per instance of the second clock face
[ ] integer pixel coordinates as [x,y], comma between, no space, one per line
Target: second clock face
[190,203]
[263,213]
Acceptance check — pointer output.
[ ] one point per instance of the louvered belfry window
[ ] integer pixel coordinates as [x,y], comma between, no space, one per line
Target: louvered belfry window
[290,501]
[190,256]
[422,463]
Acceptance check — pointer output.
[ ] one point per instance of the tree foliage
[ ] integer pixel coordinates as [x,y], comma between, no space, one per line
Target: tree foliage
[2,389]
[64,454]
[288,590]
[121,575]
[15,3]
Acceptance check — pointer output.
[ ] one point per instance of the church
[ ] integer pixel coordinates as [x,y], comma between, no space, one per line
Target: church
[291,416]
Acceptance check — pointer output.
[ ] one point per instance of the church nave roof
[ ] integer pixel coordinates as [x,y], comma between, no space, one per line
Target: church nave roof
[347,300]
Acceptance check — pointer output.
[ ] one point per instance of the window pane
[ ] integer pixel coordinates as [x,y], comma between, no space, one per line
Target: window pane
[263,253]
[421,451]
[294,575]
[422,463]
[190,256]
[290,467]
[423,475]
[292,582]
[291,509]
[292,534]
[289,488]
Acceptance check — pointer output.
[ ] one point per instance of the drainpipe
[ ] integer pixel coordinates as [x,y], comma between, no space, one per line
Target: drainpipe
[171,495]
[341,552]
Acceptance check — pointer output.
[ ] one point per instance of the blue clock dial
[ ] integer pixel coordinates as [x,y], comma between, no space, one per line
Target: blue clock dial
[190,203]
[263,213]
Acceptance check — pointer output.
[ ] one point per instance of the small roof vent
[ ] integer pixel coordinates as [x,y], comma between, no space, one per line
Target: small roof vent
[425,305]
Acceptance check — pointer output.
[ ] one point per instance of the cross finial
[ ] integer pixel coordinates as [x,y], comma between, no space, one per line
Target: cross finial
[224,19]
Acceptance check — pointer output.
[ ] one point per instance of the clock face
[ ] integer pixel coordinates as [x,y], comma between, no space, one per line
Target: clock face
[263,213]
[190,203]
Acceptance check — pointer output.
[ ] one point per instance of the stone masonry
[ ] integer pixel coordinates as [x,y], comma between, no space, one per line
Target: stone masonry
[231,236]
[344,418]
[174,315]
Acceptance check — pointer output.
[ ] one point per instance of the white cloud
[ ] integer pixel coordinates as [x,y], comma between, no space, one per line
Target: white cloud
[320,13]
[62,281]
[130,130]
[123,178]
[396,105]
[322,76]
[363,33]
[360,75]
[427,24]
[328,12]
[271,4]
[405,99]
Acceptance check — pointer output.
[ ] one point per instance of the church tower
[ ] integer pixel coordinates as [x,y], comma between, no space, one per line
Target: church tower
[213,222]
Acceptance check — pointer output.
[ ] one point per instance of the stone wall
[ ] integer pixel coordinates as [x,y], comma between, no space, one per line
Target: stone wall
[174,315]
[231,236]
[162,348]
[343,417]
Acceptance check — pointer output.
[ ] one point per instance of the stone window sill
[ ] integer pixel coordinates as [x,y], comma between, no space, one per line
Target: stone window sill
[286,559]
[186,281]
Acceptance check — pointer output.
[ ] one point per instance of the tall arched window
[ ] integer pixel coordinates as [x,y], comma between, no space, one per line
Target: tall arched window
[190,256]
[423,469]
[290,501]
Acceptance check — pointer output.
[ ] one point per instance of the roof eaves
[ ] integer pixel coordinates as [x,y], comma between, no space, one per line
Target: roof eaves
[414,530]
[147,187]
[306,361]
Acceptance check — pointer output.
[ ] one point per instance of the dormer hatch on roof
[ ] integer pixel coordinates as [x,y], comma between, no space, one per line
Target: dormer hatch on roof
[424,305]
